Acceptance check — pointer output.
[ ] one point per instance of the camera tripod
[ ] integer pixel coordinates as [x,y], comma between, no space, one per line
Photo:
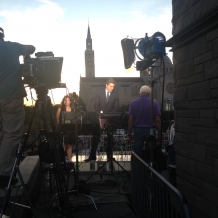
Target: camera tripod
[43,104]
[110,160]
[16,170]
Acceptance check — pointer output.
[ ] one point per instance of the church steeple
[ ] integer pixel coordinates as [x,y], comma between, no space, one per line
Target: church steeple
[89,56]
[88,34]
[88,40]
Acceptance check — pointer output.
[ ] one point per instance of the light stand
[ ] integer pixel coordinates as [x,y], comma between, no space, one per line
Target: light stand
[111,160]
[70,128]
[73,126]
[151,142]
[77,164]
[73,129]
[151,137]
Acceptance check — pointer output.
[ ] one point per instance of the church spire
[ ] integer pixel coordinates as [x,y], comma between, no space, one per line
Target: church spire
[89,56]
[88,34]
[89,40]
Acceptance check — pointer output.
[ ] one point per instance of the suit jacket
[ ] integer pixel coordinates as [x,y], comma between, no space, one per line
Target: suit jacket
[112,105]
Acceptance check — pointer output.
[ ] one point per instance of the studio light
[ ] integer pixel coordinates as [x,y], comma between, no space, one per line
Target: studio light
[147,50]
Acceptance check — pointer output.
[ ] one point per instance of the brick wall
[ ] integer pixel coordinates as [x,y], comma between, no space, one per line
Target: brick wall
[195,58]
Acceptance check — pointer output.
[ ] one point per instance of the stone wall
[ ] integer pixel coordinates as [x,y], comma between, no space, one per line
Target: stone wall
[195,59]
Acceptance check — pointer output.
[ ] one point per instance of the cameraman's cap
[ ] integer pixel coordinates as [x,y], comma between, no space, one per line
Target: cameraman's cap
[2,35]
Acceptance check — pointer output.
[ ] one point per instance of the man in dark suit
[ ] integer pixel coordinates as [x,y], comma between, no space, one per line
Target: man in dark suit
[106,101]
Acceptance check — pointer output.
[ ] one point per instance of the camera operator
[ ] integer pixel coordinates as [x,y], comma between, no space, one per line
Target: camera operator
[12,114]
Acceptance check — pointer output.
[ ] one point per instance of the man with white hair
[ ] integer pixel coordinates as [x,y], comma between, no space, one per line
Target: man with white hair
[140,119]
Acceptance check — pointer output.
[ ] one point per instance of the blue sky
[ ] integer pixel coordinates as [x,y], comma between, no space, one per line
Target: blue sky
[61,26]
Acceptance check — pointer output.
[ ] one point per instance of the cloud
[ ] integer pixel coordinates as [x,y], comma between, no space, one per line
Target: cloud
[142,23]
[47,26]
[31,23]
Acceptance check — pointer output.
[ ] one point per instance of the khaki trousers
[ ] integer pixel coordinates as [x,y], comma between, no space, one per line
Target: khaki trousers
[11,130]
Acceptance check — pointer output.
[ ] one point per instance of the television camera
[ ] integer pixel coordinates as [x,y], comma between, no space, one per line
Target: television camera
[150,49]
[44,70]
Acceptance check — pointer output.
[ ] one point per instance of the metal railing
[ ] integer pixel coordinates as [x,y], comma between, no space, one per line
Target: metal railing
[152,195]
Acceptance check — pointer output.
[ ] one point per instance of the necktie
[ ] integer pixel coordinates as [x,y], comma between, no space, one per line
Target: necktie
[107,97]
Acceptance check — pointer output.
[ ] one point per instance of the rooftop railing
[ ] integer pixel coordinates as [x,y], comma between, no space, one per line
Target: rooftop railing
[152,195]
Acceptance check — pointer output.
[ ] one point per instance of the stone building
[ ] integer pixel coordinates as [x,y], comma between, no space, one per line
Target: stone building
[158,82]
[195,58]
[126,87]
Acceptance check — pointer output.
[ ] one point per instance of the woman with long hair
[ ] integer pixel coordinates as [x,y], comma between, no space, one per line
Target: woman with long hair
[66,106]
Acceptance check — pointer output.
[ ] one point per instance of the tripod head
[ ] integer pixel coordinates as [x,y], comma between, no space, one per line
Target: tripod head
[41,92]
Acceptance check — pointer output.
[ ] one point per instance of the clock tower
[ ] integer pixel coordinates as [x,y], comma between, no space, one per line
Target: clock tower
[89,57]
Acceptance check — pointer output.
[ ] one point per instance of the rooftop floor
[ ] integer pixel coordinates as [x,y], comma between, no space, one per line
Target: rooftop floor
[110,189]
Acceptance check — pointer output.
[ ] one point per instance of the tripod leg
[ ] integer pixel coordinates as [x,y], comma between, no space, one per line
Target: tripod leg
[97,171]
[26,135]
[110,144]
[51,115]
[25,191]
[8,189]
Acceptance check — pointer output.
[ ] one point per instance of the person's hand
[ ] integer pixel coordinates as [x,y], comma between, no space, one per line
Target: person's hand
[158,141]
[130,137]
[26,56]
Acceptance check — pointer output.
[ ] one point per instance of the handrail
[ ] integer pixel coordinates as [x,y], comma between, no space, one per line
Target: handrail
[152,195]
